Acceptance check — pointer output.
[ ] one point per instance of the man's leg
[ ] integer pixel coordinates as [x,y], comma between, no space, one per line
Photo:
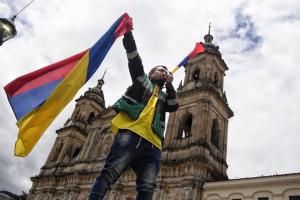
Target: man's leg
[146,167]
[121,154]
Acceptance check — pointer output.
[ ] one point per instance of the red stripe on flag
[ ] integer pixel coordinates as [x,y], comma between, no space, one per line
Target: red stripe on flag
[40,77]
[198,49]
[124,26]
[48,77]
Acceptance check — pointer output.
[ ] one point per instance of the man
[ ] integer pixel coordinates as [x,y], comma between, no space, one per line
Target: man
[139,125]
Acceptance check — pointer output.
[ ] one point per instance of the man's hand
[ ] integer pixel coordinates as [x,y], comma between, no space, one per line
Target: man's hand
[169,78]
[129,25]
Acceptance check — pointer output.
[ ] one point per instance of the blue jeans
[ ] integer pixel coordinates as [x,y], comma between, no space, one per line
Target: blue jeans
[129,150]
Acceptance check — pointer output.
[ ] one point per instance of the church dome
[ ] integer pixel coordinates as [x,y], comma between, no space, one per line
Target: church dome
[209,46]
[96,93]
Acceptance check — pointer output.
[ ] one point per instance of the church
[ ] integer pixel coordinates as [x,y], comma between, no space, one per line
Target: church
[194,165]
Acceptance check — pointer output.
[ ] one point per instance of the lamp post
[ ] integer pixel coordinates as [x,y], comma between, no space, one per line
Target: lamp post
[7,29]
[7,26]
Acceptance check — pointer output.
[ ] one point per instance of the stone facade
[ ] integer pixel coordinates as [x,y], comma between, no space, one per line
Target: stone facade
[195,146]
[277,187]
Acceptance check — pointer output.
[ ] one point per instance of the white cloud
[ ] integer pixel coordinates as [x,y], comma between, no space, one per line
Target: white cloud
[262,84]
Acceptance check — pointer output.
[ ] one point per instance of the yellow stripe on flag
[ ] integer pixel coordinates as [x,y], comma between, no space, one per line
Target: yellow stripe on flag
[33,125]
[174,69]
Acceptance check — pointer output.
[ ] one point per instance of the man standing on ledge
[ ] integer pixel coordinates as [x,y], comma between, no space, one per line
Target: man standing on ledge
[140,125]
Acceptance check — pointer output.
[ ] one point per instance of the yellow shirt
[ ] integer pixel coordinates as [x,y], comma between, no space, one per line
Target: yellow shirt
[141,126]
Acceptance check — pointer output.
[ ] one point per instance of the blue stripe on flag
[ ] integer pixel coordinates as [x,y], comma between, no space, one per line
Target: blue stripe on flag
[25,102]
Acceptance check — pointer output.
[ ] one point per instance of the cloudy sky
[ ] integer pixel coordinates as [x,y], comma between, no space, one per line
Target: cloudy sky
[258,40]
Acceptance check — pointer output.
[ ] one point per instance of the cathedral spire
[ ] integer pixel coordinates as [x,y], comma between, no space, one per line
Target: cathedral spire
[208,38]
[101,80]
[95,93]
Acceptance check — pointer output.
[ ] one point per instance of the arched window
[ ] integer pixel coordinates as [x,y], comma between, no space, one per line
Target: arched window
[216,79]
[68,154]
[185,127]
[106,148]
[92,116]
[215,133]
[196,75]
[76,152]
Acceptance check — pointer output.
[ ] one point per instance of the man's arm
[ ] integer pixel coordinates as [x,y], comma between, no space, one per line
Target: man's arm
[135,64]
[171,104]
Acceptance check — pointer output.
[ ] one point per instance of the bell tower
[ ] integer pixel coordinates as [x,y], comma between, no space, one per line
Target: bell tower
[64,174]
[73,135]
[195,146]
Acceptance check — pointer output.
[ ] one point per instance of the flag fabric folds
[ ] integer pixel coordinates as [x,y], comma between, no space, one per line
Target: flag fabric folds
[38,97]
[199,48]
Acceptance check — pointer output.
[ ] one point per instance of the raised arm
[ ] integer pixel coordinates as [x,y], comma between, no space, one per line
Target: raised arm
[135,64]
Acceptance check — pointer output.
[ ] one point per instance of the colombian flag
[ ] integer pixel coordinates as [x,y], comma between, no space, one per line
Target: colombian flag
[38,97]
[199,48]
